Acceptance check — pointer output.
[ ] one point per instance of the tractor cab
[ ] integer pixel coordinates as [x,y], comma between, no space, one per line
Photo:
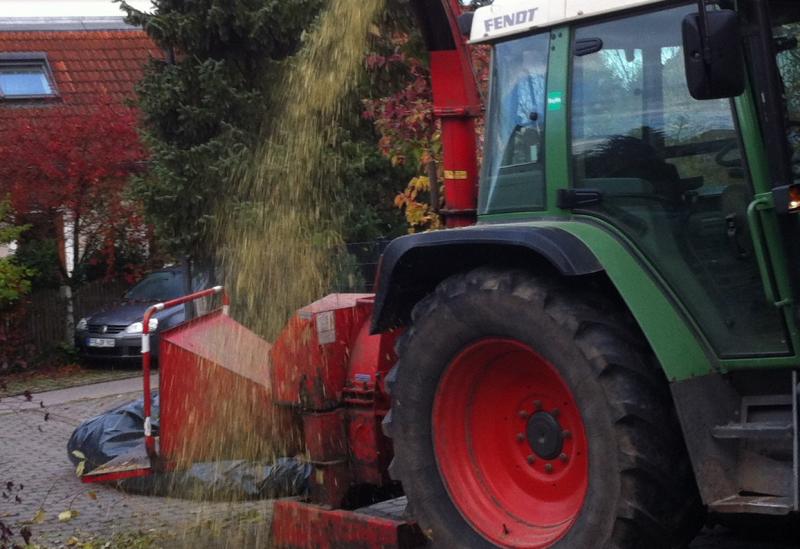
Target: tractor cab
[634,258]
[666,126]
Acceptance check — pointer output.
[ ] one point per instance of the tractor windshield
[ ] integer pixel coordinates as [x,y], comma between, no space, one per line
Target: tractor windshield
[787,34]
[513,173]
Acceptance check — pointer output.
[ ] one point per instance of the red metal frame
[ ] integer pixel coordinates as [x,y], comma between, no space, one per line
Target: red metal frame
[114,477]
[297,525]
[149,439]
[480,434]
[215,395]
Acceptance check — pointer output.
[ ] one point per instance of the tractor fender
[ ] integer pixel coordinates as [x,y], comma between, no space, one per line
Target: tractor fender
[412,266]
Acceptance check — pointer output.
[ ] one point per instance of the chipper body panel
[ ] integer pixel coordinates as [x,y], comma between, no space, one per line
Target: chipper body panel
[329,370]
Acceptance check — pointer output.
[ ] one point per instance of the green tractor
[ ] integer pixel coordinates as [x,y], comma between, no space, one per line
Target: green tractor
[613,347]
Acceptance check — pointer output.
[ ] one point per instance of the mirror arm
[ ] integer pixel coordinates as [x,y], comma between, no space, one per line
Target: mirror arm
[704,31]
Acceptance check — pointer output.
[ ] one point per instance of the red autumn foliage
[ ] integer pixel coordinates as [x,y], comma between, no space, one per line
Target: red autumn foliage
[409,134]
[403,117]
[76,169]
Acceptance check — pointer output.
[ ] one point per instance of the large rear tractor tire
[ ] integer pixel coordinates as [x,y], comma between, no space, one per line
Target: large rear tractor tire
[529,415]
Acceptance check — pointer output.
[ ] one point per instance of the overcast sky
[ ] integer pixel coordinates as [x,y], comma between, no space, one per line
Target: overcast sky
[64,8]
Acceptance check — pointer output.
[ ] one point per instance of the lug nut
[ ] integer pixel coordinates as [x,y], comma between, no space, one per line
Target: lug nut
[566,434]
[523,414]
[548,468]
[555,412]
[520,437]
[537,404]
[563,457]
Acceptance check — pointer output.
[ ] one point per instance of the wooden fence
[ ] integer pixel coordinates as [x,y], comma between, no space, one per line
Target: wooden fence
[46,310]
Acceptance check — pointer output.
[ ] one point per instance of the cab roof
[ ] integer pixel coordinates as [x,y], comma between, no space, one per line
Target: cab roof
[505,18]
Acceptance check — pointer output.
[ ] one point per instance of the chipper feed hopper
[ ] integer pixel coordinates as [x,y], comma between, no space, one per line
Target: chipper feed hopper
[603,349]
[213,394]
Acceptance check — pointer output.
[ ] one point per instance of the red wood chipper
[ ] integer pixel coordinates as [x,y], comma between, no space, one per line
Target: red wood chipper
[326,371]
[324,377]
[610,352]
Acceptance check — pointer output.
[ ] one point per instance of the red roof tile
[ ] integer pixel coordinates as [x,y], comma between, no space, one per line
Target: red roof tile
[89,67]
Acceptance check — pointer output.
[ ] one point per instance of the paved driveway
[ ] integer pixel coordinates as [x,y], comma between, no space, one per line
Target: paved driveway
[33,439]
[33,457]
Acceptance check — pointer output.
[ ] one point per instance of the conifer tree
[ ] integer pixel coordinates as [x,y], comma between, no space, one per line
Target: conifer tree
[203,104]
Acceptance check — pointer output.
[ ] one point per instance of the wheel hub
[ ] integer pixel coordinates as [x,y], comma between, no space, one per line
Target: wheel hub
[544,435]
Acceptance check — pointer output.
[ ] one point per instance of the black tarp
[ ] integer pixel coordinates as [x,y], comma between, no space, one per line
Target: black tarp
[227,480]
[111,434]
[121,430]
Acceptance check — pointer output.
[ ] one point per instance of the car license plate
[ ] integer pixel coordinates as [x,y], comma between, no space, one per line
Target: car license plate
[100,342]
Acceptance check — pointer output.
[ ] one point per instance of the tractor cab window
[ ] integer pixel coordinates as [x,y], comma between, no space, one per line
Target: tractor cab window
[671,175]
[513,167]
[787,35]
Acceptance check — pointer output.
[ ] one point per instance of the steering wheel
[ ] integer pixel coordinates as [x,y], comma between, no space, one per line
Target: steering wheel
[521,136]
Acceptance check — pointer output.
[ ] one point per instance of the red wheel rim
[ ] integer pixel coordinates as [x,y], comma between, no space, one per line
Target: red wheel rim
[497,414]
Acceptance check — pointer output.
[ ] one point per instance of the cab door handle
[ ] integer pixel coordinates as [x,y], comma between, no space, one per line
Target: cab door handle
[758,236]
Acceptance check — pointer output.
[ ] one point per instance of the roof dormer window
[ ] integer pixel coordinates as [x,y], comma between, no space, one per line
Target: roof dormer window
[26,76]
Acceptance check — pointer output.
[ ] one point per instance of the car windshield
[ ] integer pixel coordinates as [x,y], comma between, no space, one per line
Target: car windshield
[160,286]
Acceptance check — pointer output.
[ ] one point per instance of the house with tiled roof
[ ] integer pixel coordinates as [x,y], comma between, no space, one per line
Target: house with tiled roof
[62,66]
[65,67]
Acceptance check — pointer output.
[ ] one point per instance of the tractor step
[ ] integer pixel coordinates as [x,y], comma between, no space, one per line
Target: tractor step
[760,505]
[762,417]
[754,431]
[300,525]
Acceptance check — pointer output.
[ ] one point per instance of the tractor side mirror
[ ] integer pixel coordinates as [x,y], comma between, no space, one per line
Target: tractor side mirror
[713,54]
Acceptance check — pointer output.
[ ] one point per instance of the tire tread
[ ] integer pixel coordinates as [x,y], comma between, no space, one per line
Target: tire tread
[621,358]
